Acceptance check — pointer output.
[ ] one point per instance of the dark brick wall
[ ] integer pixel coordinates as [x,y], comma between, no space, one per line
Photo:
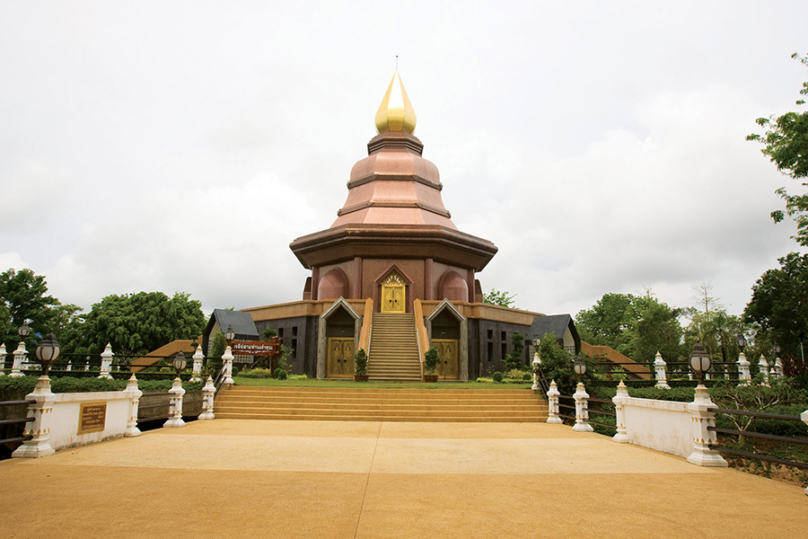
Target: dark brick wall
[298,334]
[489,342]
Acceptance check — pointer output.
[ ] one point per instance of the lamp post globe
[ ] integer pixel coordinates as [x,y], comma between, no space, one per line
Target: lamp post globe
[700,361]
[229,335]
[741,341]
[24,330]
[179,363]
[47,351]
[580,368]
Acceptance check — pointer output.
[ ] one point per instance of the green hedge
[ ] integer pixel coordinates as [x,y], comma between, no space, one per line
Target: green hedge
[18,388]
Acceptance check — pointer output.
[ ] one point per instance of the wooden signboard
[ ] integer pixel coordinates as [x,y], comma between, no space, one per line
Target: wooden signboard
[257,348]
[92,418]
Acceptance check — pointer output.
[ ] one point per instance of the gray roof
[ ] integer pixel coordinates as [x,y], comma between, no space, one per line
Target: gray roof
[241,322]
[555,324]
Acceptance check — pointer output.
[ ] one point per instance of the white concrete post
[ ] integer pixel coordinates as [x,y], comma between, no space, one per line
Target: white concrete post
[208,393]
[743,370]
[39,429]
[106,362]
[804,417]
[778,367]
[619,401]
[764,369]
[19,359]
[3,355]
[87,364]
[175,405]
[552,404]
[131,425]
[227,358]
[199,357]
[702,419]
[661,375]
[581,409]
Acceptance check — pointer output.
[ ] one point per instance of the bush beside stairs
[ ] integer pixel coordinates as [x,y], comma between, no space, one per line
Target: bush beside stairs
[349,404]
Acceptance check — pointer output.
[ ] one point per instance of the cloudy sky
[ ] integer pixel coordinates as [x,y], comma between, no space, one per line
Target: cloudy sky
[181,146]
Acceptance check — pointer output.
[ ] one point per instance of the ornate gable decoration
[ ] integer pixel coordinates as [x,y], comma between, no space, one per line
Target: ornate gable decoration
[394,279]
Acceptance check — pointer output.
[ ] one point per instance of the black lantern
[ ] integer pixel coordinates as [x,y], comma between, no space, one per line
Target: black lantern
[536,341]
[776,349]
[179,363]
[699,361]
[47,352]
[24,330]
[580,368]
[740,340]
[229,335]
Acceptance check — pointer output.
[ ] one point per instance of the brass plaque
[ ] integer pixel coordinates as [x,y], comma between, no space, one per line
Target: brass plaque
[93,418]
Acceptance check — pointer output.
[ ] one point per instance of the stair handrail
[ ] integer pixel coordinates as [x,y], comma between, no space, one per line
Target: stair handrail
[367,327]
[420,332]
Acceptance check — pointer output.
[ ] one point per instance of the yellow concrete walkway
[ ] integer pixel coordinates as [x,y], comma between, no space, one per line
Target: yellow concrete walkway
[312,479]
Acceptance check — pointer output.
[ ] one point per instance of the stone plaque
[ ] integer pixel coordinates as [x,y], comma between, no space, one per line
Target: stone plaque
[93,418]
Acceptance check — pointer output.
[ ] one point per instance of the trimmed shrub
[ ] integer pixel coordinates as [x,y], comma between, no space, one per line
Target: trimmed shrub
[498,376]
[281,374]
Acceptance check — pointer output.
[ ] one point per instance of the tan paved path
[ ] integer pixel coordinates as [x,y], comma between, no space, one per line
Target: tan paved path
[241,478]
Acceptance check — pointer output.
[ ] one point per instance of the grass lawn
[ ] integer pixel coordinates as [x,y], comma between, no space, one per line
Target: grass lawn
[242,381]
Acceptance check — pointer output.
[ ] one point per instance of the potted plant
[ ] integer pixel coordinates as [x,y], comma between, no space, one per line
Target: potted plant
[431,360]
[361,362]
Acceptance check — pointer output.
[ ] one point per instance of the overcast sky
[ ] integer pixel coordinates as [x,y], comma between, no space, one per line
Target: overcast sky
[181,146]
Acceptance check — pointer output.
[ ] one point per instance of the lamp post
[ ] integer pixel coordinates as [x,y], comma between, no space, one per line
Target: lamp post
[47,352]
[700,362]
[581,398]
[580,368]
[744,374]
[536,361]
[23,331]
[179,363]
[229,335]
[175,394]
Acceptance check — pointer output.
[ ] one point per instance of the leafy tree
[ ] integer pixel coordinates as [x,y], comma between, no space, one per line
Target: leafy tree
[139,323]
[635,326]
[558,364]
[23,296]
[786,144]
[516,359]
[495,297]
[779,309]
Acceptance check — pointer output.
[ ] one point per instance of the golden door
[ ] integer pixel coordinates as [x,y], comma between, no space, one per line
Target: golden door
[449,365]
[393,299]
[340,362]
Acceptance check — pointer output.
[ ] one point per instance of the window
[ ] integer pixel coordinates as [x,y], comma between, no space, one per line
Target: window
[490,334]
[294,331]
[490,351]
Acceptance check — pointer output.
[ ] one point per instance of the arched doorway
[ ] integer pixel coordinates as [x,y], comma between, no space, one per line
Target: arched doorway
[337,340]
[448,332]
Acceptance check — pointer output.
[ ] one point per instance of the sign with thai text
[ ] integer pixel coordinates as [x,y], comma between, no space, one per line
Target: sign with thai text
[257,348]
[93,418]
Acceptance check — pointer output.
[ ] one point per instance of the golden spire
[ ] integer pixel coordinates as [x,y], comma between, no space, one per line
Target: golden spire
[396,112]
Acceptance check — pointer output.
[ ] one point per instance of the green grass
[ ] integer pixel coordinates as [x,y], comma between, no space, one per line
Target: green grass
[241,381]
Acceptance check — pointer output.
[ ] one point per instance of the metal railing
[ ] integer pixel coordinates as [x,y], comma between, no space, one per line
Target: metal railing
[759,435]
[14,421]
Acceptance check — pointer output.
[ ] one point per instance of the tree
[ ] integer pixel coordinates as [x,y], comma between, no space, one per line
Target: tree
[786,145]
[23,296]
[139,323]
[558,364]
[779,309]
[495,297]
[516,359]
[635,326]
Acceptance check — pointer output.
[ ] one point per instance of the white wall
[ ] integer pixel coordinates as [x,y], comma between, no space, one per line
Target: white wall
[64,425]
[662,425]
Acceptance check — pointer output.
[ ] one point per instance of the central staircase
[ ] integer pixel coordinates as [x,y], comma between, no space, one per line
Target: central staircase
[393,351]
[349,404]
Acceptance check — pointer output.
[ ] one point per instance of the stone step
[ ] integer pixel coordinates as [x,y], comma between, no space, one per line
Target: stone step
[411,419]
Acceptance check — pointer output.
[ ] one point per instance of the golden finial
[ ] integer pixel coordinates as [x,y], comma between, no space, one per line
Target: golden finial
[396,112]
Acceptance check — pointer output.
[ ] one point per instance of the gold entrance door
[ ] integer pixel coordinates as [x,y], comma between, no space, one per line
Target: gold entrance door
[394,294]
[449,366]
[340,357]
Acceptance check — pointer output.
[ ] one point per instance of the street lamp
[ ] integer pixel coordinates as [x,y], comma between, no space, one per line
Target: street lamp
[47,352]
[229,335]
[179,363]
[580,368]
[24,330]
[740,340]
[699,361]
